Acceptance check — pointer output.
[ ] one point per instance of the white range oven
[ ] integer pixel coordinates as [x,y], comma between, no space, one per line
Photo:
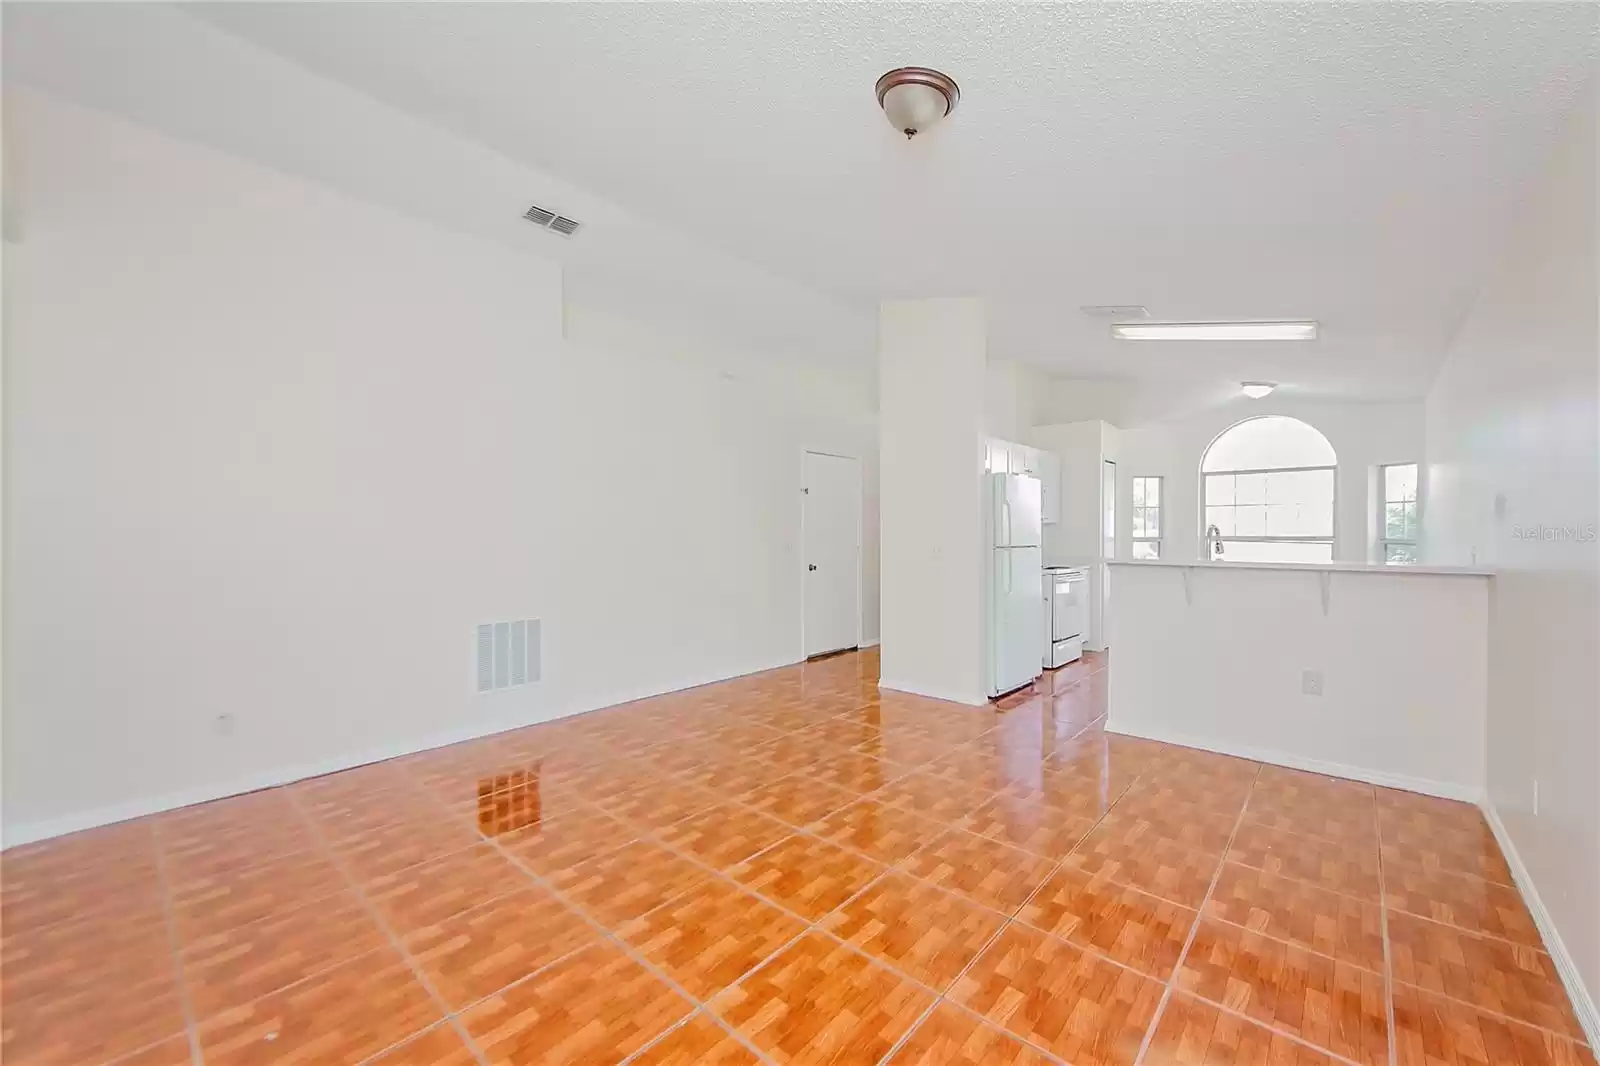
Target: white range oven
[1066,595]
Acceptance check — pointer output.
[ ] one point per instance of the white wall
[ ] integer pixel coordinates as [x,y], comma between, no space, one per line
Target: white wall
[931,395]
[273,452]
[1013,396]
[1221,667]
[1513,418]
[1080,447]
[1363,435]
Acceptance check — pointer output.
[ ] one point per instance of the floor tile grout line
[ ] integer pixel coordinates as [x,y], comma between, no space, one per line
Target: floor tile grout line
[350,888]
[606,933]
[403,1041]
[394,940]
[941,996]
[479,1001]
[698,1012]
[811,925]
[1497,1015]
[1199,913]
[1234,1012]
[798,773]
[651,834]
[1194,931]
[638,957]
[175,946]
[889,870]
[1388,954]
[1008,920]
[328,855]
[1302,835]
[1475,933]
[1297,945]
[1302,881]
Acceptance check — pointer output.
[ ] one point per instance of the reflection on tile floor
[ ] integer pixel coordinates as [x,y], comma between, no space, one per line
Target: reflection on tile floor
[790,867]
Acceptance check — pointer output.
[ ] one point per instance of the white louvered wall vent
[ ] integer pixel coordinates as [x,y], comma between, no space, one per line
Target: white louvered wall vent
[544,218]
[508,654]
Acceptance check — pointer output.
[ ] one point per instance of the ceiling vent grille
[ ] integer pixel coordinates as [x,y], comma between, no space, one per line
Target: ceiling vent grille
[1123,311]
[544,218]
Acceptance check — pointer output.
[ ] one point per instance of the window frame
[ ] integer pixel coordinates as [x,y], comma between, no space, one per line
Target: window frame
[1135,510]
[1384,540]
[1331,540]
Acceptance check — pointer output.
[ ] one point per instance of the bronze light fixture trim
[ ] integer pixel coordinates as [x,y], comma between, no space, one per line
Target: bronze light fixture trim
[916,98]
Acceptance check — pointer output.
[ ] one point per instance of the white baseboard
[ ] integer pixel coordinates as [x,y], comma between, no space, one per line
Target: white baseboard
[873,643]
[1582,1004]
[932,694]
[1426,786]
[44,829]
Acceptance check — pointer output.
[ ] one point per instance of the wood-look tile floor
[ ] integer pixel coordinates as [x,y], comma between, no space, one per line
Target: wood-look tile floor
[787,868]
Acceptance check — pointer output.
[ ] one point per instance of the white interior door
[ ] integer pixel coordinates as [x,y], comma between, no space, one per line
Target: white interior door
[832,552]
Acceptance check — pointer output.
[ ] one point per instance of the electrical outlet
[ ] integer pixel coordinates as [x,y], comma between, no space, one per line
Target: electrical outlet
[1311,682]
[224,725]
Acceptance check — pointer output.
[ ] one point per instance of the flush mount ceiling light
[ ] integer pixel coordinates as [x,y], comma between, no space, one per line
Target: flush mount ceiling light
[1215,331]
[916,98]
[1256,389]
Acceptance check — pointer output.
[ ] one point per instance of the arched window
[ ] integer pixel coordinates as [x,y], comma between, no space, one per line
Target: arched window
[1268,490]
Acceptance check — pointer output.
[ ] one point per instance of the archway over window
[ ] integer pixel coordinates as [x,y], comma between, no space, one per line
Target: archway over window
[1268,487]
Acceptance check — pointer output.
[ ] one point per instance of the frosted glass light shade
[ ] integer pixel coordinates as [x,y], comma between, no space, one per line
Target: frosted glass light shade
[915,99]
[913,108]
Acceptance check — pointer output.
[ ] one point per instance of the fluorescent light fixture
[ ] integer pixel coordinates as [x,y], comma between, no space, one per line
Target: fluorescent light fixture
[1215,331]
[1256,389]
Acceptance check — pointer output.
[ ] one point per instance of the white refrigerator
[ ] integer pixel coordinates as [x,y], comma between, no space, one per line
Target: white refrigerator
[1015,582]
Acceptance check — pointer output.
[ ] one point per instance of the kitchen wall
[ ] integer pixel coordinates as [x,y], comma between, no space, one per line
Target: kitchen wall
[1363,435]
[272,453]
[1514,468]
[1215,658]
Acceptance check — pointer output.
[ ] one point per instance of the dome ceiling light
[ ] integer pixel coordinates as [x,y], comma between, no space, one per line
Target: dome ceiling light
[1257,389]
[916,98]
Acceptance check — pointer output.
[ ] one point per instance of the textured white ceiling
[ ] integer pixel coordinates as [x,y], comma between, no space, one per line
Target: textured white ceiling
[1355,163]
[162,68]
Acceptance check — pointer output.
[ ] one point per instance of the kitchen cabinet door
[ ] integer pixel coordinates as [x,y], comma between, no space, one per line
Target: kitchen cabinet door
[1049,476]
[999,457]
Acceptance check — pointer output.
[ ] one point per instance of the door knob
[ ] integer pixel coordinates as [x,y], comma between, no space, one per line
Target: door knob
[813,566]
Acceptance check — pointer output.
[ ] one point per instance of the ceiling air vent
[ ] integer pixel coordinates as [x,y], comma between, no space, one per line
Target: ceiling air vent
[547,219]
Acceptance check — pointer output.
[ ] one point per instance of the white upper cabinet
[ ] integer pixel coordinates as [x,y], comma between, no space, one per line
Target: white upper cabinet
[1008,457]
[1049,476]
[999,461]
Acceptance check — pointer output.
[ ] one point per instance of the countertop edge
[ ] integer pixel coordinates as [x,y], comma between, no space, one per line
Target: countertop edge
[1334,567]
